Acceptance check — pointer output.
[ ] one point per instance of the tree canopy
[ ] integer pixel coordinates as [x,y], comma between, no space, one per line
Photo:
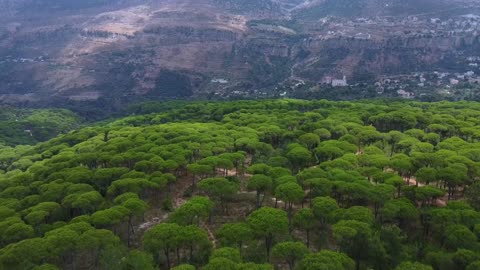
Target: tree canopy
[264,184]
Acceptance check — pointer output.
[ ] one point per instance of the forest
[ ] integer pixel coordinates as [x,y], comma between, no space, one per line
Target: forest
[30,126]
[250,185]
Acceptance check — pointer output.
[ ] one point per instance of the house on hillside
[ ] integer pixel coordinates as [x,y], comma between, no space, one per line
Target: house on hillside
[405,94]
[340,83]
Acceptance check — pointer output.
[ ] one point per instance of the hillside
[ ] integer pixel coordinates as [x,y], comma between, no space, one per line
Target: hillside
[31,126]
[371,8]
[284,184]
[88,54]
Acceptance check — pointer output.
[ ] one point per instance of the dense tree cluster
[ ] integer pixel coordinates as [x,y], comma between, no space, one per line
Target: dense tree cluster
[285,184]
[30,126]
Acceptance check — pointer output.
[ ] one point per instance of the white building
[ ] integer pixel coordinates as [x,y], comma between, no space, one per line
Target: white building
[454,81]
[405,94]
[469,73]
[340,83]
[221,81]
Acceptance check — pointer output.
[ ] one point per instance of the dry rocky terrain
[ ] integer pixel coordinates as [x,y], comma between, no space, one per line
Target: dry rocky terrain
[114,50]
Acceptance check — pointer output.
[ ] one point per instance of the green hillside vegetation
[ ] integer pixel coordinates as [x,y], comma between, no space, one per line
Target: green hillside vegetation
[30,126]
[283,184]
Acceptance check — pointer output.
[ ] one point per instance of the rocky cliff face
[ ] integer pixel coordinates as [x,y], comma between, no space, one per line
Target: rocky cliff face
[116,50]
[392,56]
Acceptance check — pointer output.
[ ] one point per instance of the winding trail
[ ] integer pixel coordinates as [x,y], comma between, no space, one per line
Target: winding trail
[211,236]
[178,201]
[181,187]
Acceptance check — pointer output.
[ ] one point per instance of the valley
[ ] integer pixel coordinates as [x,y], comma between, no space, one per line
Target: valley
[114,52]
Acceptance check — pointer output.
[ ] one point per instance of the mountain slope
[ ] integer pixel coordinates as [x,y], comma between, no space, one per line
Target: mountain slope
[113,51]
[368,8]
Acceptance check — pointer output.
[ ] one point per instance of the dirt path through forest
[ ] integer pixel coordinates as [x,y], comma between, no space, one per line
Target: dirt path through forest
[177,200]
[180,188]
[211,235]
